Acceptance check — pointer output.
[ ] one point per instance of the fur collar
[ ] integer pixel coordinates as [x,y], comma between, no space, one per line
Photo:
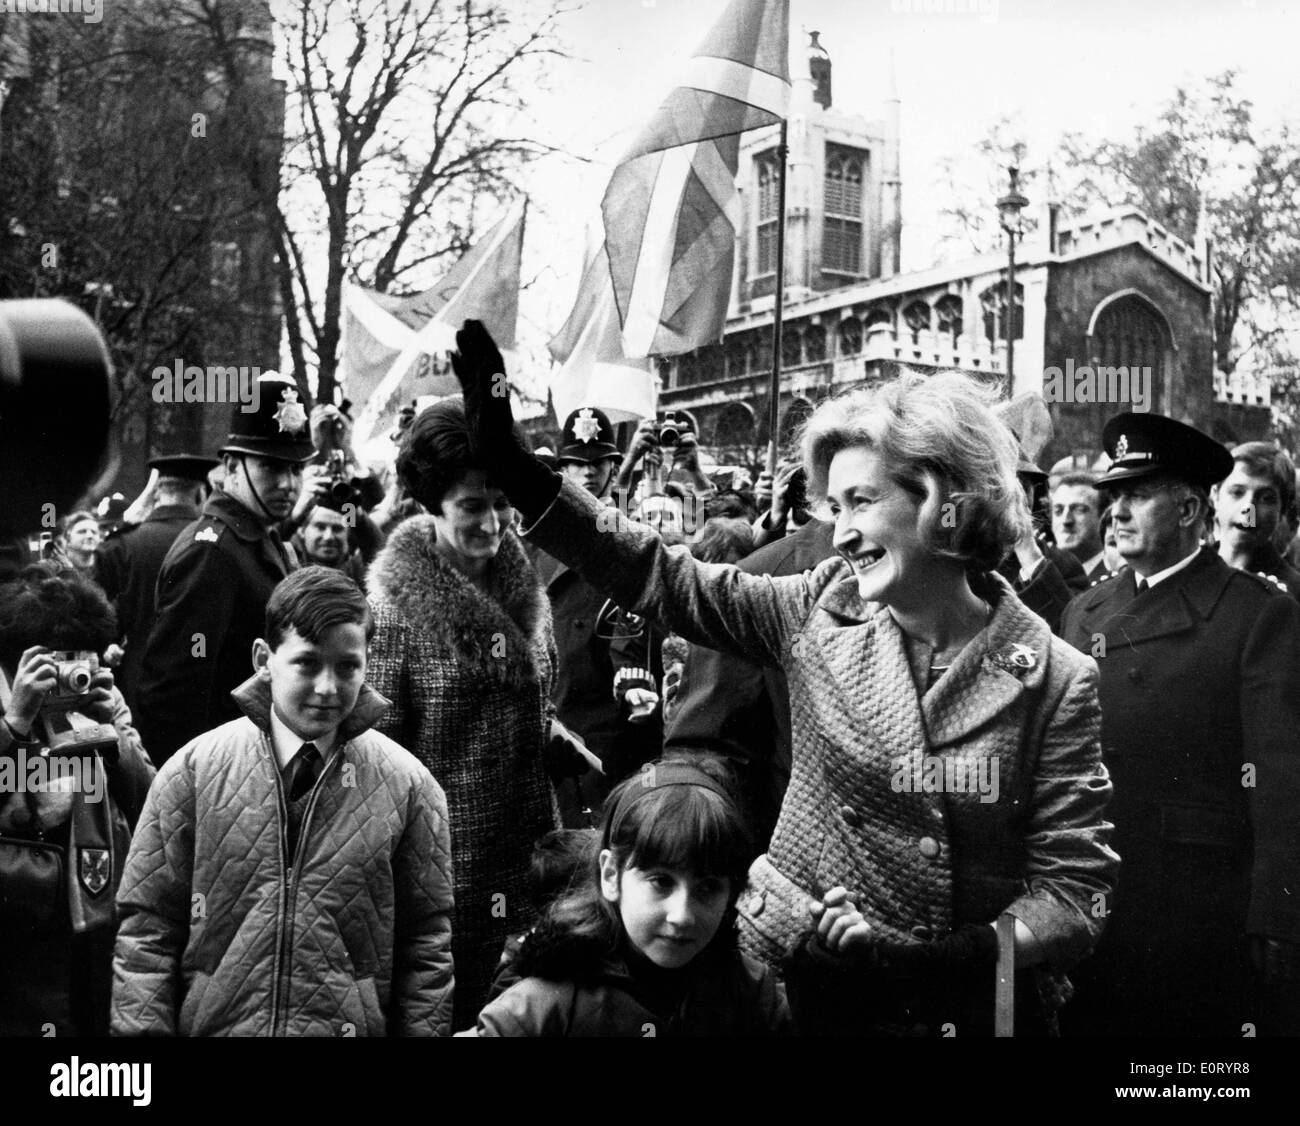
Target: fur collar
[504,636]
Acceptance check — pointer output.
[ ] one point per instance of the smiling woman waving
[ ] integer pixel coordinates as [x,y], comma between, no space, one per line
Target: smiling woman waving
[946,759]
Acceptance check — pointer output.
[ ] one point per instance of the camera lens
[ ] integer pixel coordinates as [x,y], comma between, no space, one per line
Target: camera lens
[78,679]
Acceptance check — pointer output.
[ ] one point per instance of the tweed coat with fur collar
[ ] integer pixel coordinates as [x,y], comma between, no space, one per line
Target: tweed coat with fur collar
[469,677]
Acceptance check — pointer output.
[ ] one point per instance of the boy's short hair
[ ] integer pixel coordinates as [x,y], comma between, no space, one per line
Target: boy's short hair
[313,600]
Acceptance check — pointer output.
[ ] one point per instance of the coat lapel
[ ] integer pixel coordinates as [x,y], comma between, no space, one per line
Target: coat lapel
[990,674]
[1125,618]
[866,661]
[505,638]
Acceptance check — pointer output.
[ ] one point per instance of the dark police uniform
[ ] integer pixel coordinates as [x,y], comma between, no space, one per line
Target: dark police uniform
[214,587]
[1200,696]
[126,567]
[128,561]
[597,642]
[212,595]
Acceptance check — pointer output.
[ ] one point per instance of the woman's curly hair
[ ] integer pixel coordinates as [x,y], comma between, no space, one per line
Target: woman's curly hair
[56,608]
[941,442]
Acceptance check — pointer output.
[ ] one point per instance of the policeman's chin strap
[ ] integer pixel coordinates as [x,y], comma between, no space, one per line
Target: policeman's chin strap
[271,519]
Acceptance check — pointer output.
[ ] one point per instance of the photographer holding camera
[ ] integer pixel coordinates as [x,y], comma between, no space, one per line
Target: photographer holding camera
[329,525]
[73,779]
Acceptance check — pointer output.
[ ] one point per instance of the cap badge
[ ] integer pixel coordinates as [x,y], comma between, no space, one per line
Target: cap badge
[586,427]
[1121,447]
[289,414]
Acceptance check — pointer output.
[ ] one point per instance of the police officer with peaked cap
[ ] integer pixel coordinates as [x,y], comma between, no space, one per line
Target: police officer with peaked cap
[1199,671]
[128,561]
[218,576]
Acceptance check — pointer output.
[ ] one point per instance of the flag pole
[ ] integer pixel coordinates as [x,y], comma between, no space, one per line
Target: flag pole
[778,309]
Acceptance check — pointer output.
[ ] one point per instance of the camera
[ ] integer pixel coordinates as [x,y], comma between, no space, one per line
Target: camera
[670,427]
[67,730]
[341,489]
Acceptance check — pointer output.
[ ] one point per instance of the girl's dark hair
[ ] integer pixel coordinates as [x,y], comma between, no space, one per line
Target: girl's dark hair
[435,453]
[648,822]
[55,608]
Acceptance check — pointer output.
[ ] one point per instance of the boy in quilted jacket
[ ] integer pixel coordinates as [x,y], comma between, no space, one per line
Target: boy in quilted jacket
[291,872]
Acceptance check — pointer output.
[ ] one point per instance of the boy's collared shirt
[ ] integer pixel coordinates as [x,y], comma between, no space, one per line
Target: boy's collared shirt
[286,744]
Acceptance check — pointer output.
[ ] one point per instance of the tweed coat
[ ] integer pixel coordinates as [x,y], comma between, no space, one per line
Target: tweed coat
[919,863]
[1200,692]
[469,679]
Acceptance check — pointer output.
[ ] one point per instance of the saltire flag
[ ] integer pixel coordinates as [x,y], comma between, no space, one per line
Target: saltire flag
[593,371]
[670,210]
[395,348]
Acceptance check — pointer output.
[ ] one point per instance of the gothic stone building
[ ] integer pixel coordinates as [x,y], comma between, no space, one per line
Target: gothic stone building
[1108,291]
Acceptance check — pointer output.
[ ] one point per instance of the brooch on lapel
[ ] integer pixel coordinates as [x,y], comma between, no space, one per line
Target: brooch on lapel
[1016,659]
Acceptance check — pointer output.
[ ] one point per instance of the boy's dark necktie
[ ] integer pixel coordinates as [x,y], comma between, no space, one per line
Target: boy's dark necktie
[1142,585]
[299,777]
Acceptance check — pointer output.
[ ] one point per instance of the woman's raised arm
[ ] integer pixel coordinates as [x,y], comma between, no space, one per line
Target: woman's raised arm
[711,604]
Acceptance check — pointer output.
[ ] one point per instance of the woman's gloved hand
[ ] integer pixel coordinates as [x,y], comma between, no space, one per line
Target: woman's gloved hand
[841,929]
[477,362]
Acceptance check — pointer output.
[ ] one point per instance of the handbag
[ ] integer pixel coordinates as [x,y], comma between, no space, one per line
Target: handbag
[78,865]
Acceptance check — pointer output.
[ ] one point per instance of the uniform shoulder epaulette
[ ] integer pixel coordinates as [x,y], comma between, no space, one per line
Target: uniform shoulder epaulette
[1104,578]
[1268,580]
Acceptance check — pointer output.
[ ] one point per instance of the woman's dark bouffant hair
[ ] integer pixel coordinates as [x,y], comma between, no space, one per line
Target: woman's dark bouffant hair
[58,609]
[644,825]
[436,454]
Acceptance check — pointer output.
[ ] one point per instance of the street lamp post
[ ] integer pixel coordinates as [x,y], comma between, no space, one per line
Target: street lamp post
[1009,208]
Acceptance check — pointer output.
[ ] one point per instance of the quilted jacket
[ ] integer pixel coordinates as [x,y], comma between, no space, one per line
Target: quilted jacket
[469,678]
[1018,705]
[223,934]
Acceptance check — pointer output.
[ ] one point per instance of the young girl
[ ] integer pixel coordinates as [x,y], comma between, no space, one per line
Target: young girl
[646,944]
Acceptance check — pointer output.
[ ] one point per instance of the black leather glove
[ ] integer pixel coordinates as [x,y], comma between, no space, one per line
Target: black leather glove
[968,947]
[477,362]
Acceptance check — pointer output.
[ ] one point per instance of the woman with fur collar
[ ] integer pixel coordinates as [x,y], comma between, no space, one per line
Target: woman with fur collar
[464,650]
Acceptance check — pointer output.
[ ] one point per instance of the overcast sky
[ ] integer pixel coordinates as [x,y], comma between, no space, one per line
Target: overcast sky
[1099,67]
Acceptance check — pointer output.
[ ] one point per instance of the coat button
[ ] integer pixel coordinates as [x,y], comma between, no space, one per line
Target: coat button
[756,904]
[1135,676]
[852,818]
[929,848]
[922,933]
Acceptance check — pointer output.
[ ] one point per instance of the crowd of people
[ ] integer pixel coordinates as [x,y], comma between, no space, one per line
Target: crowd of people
[578,742]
